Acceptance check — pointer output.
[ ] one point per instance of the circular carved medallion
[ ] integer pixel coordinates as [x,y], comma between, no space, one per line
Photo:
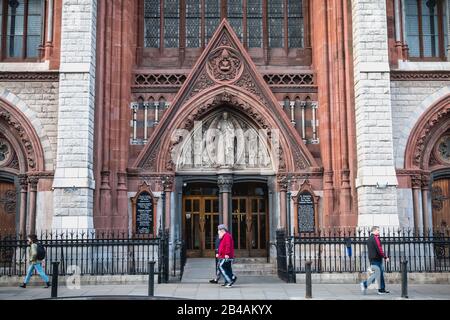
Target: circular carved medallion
[443,149]
[5,152]
[224,65]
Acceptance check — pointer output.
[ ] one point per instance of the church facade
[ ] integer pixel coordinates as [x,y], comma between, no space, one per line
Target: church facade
[178,115]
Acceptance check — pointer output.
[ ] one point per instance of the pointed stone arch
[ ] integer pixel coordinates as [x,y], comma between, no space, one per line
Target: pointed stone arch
[21,133]
[224,73]
[425,134]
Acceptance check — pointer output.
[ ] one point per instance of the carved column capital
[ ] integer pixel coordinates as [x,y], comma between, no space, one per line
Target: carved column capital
[225,183]
[33,181]
[283,182]
[425,182]
[416,181]
[167,183]
[23,181]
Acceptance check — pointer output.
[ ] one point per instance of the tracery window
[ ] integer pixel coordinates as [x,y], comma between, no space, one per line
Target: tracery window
[171,23]
[254,23]
[152,28]
[192,23]
[426,28]
[21,28]
[212,17]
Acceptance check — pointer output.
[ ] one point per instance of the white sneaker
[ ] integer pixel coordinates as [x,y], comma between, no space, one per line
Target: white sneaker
[363,287]
[228,285]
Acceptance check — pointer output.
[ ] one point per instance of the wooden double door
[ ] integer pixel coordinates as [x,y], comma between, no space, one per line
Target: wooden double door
[249,220]
[8,203]
[441,203]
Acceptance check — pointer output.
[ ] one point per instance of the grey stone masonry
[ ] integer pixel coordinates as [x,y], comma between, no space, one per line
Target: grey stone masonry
[74,182]
[376,179]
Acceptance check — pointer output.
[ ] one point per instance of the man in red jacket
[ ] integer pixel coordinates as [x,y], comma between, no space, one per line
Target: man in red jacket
[226,256]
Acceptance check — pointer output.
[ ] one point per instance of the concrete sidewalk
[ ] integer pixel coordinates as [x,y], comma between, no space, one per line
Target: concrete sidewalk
[243,290]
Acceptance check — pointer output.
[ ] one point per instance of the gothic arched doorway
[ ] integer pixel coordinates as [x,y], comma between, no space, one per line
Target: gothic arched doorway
[249,218]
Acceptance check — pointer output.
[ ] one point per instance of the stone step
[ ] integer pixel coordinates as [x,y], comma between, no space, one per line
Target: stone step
[253,266]
[250,260]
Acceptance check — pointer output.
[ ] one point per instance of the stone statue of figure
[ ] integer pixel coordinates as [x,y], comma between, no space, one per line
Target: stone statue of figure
[225,142]
[186,158]
[252,149]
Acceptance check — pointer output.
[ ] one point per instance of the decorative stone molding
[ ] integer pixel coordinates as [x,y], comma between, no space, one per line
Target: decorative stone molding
[290,79]
[22,134]
[421,137]
[173,81]
[420,75]
[283,182]
[29,76]
[142,80]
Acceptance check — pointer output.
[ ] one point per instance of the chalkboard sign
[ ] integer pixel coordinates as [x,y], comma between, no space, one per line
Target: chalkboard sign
[306,212]
[144,213]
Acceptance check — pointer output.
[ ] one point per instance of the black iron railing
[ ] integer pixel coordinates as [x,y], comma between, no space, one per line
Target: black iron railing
[88,253]
[345,250]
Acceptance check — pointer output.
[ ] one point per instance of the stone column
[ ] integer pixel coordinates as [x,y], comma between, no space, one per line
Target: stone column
[49,36]
[447,14]
[416,182]
[23,181]
[426,217]
[376,180]
[282,188]
[225,183]
[33,182]
[74,180]
[167,183]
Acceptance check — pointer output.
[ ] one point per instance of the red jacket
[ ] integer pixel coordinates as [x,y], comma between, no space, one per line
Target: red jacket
[226,247]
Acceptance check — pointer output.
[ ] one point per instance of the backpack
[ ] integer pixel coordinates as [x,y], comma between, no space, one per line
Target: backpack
[40,252]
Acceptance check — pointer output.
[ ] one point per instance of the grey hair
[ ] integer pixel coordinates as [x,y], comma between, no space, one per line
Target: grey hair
[374,228]
[222,227]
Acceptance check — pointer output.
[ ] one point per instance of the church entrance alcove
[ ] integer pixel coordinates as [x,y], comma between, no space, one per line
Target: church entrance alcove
[249,219]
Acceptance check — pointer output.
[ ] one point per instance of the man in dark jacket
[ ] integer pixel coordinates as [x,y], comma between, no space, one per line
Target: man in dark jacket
[226,256]
[376,256]
[218,273]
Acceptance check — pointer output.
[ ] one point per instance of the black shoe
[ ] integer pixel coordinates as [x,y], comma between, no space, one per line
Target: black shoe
[214,281]
[225,284]
[383,291]
[23,285]
[47,285]
[233,280]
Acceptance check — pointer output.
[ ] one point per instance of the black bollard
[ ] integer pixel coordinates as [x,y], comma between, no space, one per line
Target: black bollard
[308,280]
[405,279]
[151,278]
[55,279]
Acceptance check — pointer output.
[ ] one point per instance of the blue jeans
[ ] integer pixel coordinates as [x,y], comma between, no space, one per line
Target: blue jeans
[38,267]
[380,266]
